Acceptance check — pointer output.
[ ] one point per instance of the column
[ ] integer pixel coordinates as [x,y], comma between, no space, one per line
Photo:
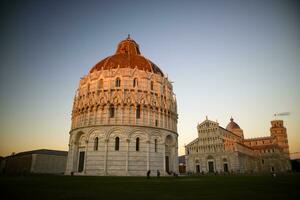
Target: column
[88,115]
[75,157]
[107,113]
[85,157]
[135,120]
[148,155]
[102,115]
[154,116]
[129,114]
[122,114]
[95,114]
[164,119]
[105,156]
[164,158]
[127,156]
[73,119]
[168,122]
[82,118]
[149,110]
[141,114]
[171,121]
[159,117]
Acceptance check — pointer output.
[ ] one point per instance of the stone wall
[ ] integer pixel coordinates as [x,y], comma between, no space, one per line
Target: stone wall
[48,164]
[106,160]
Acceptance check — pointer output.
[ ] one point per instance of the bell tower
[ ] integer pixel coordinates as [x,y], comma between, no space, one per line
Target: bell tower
[279,132]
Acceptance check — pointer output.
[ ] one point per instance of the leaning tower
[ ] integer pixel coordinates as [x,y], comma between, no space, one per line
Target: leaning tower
[279,132]
[124,118]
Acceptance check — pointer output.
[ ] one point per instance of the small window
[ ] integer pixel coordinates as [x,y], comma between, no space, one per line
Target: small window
[151,85]
[117,143]
[100,84]
[156,122]
[272,169]
[138,111]
[137,144]
[135,82]
[96,140]
[111,111]
[118,82]
[262,161]
[155,145]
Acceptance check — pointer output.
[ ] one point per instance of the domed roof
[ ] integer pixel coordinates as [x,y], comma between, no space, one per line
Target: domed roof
[128,55]
[232,125]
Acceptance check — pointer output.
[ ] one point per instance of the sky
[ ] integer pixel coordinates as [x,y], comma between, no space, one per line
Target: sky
[226,58]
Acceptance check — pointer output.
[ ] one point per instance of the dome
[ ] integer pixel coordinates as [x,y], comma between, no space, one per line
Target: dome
[232,125]
[127,55]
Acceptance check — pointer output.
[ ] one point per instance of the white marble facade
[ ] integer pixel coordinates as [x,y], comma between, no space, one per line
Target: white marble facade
[124,118]
[219,150]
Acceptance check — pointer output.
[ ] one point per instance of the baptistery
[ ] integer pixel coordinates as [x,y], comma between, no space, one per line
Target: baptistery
[124,118]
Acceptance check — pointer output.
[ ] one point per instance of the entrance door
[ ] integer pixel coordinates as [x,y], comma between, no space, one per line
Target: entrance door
[211,166]
[272,169]
[225,167]
[198,168]
[81,161]
[167,164]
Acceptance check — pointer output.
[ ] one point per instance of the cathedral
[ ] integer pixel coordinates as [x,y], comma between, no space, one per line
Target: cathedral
[124,118]
[220,150]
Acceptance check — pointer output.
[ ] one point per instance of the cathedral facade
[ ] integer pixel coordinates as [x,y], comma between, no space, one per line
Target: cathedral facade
[220,150]
[124,118]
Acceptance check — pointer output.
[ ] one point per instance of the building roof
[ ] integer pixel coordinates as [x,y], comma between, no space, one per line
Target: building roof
[232,125]
[242,144]
[43,151]
[229,131]
[265,146]
[127,55]
[258,138]
[192,142]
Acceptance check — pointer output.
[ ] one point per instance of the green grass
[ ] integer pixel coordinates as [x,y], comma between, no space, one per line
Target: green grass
[203,187]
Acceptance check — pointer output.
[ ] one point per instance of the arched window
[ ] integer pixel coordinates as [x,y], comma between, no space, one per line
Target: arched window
[151,85]
[111,111]
[117,143]
[118,82]
[96,140]
[137,144]
[100,84]
[138,112]
[155,145]
[135,82]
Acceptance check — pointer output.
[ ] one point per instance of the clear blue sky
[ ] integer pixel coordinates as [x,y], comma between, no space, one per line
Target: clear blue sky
[226,58]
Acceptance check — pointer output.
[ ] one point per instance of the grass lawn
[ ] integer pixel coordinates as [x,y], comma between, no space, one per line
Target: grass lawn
[203,187]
